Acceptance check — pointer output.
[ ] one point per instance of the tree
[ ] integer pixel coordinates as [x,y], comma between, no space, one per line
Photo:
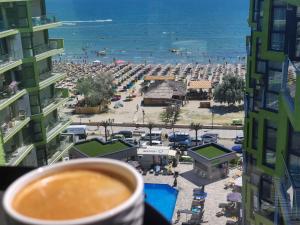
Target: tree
[230,91]
[196,127]
[97,90]
[170,114]
[150,126]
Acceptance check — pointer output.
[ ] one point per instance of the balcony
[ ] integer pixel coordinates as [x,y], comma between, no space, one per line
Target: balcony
[49,78]
[61,148]
[6,31]
[44,22]
[49,105]
[290,72]
[19,153]
[55,127]
[14,125]
[9,61]
[54,47]
[10,94]
[288,190]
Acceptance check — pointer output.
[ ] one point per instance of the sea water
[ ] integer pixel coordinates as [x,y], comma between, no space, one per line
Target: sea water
[152,31]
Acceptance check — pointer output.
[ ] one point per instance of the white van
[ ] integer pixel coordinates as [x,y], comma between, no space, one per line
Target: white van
[155,135]
[79,131]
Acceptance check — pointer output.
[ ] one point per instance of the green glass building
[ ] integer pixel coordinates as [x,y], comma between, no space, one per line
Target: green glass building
[30,119]
[271,180]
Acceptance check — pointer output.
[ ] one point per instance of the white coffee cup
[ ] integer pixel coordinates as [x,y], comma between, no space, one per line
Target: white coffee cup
[129,212]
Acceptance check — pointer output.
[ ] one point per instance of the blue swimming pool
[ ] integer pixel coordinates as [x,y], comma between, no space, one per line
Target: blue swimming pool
[162,197]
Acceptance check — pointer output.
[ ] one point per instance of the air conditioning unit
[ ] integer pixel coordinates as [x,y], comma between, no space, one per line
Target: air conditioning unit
[65,159]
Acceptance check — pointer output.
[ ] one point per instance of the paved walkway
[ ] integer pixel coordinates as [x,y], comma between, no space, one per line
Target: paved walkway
[187,181]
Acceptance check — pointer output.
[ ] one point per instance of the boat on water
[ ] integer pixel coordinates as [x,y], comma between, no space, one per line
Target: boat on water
[101,53]
[174,50]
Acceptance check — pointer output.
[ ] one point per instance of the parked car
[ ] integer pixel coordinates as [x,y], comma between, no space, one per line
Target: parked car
[126,133]
[209,138]
[116,98]
[181,139]
[154,142]
[239,139]
[155,135]
[117,136]
[237,148]
[237,122]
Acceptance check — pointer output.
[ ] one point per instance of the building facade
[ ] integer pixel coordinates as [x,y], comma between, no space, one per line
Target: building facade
[271,180]
[30,119]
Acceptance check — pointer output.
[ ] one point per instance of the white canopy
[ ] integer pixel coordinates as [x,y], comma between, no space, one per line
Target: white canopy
[156,150]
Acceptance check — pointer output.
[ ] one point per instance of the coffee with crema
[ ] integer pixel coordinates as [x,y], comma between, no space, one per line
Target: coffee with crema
[72,194]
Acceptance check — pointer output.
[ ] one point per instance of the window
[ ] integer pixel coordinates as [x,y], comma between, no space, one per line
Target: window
[278,26]
[261,66]
[257,98]
[254,133]
[274,83]
[294,154]
[258,13]
[270,144]
[267,193]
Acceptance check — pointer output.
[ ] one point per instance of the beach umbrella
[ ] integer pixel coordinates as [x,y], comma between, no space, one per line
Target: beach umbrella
[120,62]
[234,197]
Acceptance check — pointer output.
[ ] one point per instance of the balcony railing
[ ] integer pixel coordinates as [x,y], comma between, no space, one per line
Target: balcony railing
[18,150]
[54,152]
[291,71]
[54,125]
[6,59]
[52,45]
[42,20]
[55,99]
[9,90]
[288,190]
[7,127]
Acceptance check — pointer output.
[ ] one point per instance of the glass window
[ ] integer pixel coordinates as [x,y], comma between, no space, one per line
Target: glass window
[261,66]
[257,98]
[294,155]
[272,101]
[270,144]
[254,134]
[279,19]
[277,41]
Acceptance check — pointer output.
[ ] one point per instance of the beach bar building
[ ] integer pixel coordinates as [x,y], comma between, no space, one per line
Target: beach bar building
[119,150]
[155,155]
[211,160]
[162,93]
[199,90]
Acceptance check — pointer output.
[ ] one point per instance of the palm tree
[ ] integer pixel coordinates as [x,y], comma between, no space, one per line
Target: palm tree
[150,126]
[105,124]
[196,127]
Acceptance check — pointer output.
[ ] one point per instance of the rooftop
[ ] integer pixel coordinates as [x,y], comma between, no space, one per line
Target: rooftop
[95,147]
[210,152]
[200,84]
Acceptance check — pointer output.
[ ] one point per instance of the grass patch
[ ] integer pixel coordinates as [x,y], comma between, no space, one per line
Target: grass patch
[210,152]
[95,148]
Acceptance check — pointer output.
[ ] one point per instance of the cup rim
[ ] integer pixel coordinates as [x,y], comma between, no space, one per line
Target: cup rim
[25,179]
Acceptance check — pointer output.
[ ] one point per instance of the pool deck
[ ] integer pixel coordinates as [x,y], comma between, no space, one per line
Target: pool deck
[186,182]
